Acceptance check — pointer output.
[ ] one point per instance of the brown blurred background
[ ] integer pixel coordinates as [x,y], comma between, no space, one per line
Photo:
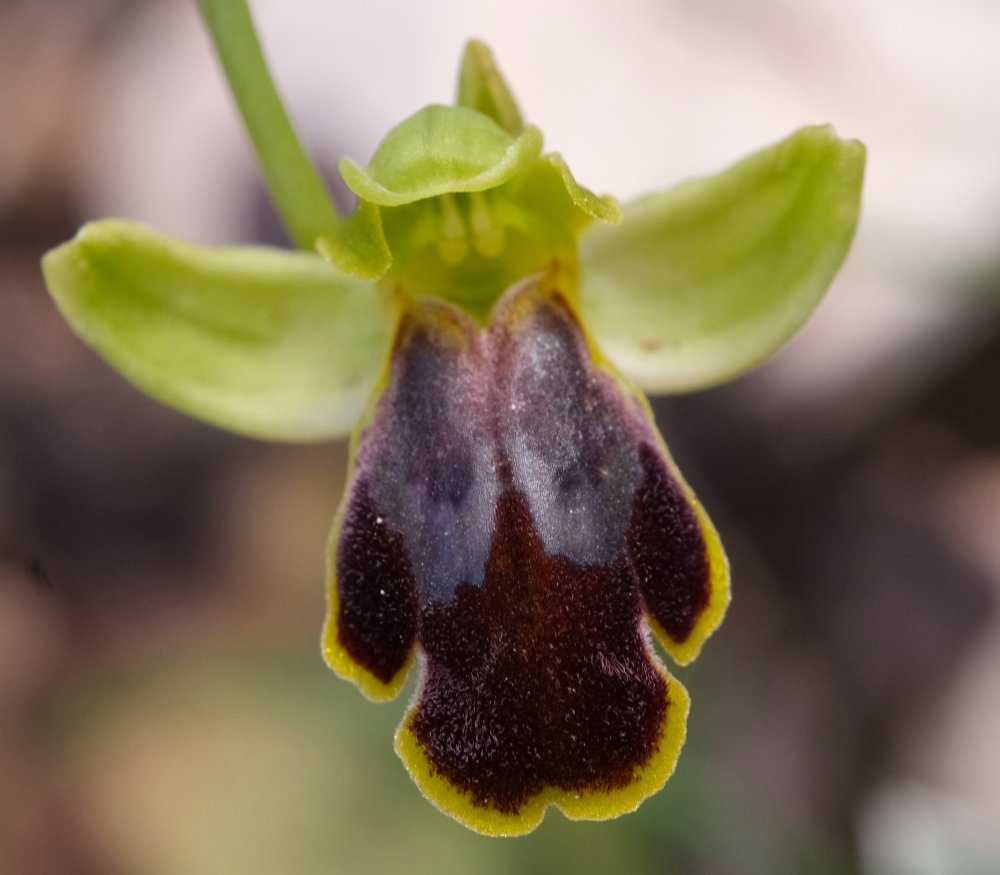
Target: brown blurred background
[163,703]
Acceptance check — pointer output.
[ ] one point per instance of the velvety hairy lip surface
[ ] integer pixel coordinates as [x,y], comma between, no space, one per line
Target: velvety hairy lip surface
[514,514]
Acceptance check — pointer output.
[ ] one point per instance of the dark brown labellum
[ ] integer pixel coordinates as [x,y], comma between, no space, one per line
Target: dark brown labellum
[513,514]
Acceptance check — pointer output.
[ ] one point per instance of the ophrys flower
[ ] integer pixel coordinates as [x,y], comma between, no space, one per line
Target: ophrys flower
[512,515]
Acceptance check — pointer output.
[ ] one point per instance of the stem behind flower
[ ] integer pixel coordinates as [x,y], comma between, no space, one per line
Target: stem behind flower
[299,194]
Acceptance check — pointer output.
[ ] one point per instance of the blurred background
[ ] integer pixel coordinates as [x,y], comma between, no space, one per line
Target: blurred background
[163,704]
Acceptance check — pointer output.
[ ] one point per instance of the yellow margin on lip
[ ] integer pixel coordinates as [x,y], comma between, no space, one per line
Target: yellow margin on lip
[683,652]
[443,319]
[334,653]
[585,805]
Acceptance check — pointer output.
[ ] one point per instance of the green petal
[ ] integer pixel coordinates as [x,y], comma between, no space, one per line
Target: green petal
[701,282]
[438,150]
[357,245]
[264,342]
[481,87]
[603,207]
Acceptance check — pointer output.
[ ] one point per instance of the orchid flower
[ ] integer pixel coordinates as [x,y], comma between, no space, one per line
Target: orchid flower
[512,517]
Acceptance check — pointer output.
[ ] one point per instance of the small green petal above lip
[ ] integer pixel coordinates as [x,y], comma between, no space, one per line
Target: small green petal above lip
[357,245]
[703,281]
[260,341]
[603,207]
[439,150]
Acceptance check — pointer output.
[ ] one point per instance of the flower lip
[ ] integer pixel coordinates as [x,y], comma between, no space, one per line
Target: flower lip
[440,150]
[512,514]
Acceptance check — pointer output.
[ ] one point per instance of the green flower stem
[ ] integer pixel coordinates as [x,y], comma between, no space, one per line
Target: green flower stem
[298,192]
